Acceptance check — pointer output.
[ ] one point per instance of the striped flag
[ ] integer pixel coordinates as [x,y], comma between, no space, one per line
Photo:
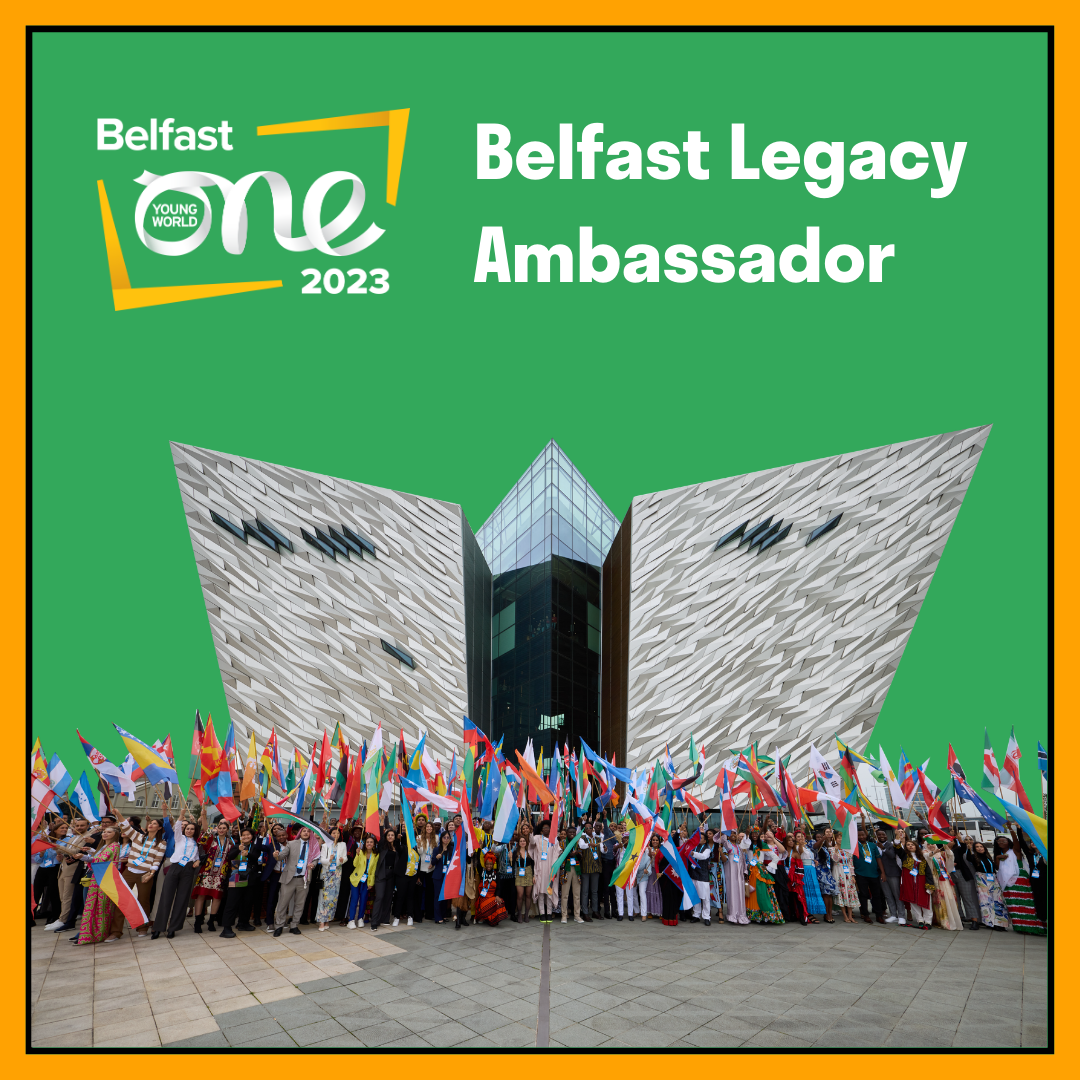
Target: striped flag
[453,884]
[59,779]
[107,875]
[1011,766]
[87,798]
[539,788]
[506,813]
[155,765]
[272,809]
[250,788]
[991,776]
[1035,827]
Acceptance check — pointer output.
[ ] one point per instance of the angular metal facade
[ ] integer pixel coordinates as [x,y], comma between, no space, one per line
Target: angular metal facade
[299,633]
[782,641]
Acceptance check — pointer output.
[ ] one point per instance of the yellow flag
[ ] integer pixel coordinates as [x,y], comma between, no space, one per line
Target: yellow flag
[250,788]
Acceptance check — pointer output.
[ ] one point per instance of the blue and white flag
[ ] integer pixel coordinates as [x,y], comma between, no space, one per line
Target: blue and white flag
[506,813]
[86,795]
[689,889]
[59,778]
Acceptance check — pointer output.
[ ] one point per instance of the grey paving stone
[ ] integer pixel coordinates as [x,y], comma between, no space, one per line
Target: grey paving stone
[268,1041]
[293,1013]
[332,995]
[707,1037]
[381,1034]
[316,1033]
[513,1035]
[317,984]
[244,1033]
[410,1040]
[449,1034]
[1033,1035]
[919,1036]
[239,1017]
[843,1035]
[579,1036]
[771,1037]
[212,1039]
[475,1043]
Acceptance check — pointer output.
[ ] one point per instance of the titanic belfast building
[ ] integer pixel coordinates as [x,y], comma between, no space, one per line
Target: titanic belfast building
[775,605]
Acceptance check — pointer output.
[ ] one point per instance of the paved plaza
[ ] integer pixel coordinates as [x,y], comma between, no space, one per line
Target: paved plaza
[608,984]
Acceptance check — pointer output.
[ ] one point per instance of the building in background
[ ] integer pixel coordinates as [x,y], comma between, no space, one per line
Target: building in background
[333,602]
[774,606]
[770,607]
[545,543]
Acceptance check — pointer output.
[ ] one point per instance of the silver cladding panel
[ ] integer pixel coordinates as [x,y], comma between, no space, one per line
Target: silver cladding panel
[789,646]
[298,636]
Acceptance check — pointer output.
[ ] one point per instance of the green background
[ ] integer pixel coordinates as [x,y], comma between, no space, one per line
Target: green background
[449,388]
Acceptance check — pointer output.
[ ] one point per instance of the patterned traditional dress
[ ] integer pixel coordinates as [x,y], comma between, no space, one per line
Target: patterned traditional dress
[944,899]
[1021,904]
[489,907]
[762,905]
[716,887]
[99,910]
[815,905]
[847,892]
[216,868]
[331,887]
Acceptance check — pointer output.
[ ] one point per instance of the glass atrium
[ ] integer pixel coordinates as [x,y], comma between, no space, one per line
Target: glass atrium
[545,545]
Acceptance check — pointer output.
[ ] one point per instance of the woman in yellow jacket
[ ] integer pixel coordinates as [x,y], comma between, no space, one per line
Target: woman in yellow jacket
[362,878]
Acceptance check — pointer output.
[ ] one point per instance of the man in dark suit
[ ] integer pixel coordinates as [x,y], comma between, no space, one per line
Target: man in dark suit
[296,861]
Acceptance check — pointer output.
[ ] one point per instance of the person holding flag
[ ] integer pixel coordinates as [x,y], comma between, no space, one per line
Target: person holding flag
[762,905]
[143,861]
[544,853]
[735,854]
[216,850]
[98,910]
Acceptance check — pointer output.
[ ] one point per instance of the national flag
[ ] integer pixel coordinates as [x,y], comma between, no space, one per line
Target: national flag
[326,761]
[473,735]
[354,788]
[121,782]
[273,809]
[250,788]
[845,749]
[417,793]
[269,763]
[621,874]
[491,793]
[1011,765]
[86,796]
[41,798]
[109,881]
[468,772]
[373,760]
[539,788]
[1044,761]
[155,765]
[566,852]
[675,862]
[693,752]
[416,762]
[209,755]
[965,791]
[473,841]
[341,779]
[760,789]
[59,778]
[453,884]
[38,766]
[991,775]
[906,776]
[1035,827]
[196,746]
[506,813]
[900,800]
[727,803]
[375,770]
[410,831]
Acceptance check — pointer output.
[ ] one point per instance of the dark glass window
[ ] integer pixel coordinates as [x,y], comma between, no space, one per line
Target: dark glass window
[272,530]
[228,526]
[399,654]
[821,530]
[252,529]
[316,543]
[326,538]
[357,538]
[737,531]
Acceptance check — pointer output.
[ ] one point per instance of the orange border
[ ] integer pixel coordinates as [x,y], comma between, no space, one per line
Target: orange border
[1066,20]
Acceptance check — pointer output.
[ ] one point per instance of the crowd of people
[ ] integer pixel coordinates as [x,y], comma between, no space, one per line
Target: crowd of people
[242,876]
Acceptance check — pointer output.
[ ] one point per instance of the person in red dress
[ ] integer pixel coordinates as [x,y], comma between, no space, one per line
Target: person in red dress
[489,907]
